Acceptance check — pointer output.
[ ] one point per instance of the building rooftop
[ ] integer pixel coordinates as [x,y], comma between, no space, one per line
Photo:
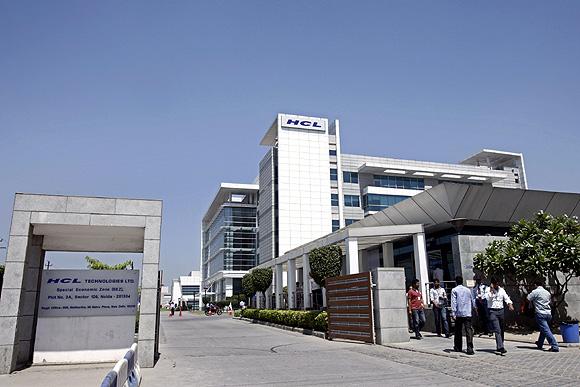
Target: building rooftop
[224,195]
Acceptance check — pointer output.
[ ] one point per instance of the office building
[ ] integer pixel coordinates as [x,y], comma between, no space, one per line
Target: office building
[187,290]
[229,239]
[308,188]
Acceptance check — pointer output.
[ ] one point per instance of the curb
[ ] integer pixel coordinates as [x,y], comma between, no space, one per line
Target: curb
[308,332]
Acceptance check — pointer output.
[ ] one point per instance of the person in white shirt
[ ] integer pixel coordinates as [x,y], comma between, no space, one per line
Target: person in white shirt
[496,296]
[438,298]
[242,305]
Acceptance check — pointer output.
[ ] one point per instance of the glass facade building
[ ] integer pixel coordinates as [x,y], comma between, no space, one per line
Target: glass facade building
[229,238]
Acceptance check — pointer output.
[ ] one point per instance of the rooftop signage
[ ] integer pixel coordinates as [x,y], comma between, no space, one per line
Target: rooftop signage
[303,122]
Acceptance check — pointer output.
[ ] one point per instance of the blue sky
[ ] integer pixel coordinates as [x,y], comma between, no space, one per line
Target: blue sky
[166,99]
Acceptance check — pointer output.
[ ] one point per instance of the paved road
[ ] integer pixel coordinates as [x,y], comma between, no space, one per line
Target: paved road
[210,351]
[222,351]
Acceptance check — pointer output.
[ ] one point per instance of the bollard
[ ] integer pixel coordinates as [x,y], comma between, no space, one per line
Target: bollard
[121,370]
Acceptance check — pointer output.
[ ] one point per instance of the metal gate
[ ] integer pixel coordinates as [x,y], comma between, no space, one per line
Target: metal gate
[350,307]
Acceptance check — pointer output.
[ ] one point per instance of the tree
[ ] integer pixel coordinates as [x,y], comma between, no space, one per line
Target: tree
[95,264]
[545,246]
[248,284]
[262,279]
[325,262]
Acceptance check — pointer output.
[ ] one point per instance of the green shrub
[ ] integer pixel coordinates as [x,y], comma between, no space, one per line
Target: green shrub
[313,320]
[321,322]
[238,313]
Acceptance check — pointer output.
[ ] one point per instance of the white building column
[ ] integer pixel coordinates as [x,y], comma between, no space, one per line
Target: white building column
[279,285]
[306,281]
[351,245]
[421,263]
[291,283]
[258,300]
[229,283]
[269,295]
[388,255]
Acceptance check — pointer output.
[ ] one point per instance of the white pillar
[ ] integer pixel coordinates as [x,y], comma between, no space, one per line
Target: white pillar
[351,255]
[388,255]
[279,284]
[291,283]
[269,295]
[421,263]
[306,281]
[229,282]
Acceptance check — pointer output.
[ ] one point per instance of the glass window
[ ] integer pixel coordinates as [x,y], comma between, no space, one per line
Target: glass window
[351,201]
[350,177]
[348,222]
[332,152]
[398,182]
[335,224]
[333,174]
[376,202]
[334,199]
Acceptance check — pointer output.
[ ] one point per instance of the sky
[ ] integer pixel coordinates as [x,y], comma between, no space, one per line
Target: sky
[165,100]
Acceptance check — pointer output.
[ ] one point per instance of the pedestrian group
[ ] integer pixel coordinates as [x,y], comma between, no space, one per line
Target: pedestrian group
[487,302]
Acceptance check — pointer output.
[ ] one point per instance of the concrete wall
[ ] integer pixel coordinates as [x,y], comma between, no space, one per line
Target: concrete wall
[390,306]
[465,247]
[83,339]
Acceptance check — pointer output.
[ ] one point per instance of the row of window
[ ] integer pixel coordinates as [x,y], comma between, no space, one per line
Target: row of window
[336,223]
[398,182]
[376,202]
[350,177]
[333,174]
[349,200]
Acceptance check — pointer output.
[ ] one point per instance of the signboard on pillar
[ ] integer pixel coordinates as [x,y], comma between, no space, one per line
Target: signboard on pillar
[88,293]
[86,315]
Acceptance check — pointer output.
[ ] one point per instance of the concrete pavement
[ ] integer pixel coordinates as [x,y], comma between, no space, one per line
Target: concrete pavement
[215,351]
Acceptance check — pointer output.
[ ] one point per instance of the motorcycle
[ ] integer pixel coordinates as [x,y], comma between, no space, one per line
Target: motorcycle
[211,310]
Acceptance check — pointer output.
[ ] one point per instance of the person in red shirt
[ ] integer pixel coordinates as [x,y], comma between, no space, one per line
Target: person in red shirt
[416,308]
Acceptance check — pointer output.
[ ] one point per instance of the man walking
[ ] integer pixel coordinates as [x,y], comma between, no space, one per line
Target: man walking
[416,308]
[478,294]
[461,306]
[438,298]
[540,298]
[496,296]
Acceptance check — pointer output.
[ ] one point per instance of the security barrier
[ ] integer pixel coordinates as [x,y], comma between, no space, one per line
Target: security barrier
[126,372]
[350,307]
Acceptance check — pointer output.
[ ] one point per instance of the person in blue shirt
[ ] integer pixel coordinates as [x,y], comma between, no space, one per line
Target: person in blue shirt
[462,305]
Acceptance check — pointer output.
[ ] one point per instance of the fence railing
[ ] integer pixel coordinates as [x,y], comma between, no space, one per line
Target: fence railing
[126,373]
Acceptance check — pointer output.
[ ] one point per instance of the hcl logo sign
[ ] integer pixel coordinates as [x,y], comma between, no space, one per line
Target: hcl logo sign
[305,123]
[63,281]
[302,122]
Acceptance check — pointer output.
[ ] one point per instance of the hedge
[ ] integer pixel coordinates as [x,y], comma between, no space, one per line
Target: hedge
[314,320]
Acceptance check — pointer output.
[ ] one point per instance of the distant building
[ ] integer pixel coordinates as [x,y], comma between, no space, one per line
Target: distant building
[229,239]
[165,295]
[188,289]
